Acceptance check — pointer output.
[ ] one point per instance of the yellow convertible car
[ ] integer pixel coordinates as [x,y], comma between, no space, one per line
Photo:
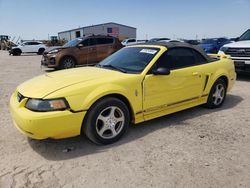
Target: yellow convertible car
[135,84]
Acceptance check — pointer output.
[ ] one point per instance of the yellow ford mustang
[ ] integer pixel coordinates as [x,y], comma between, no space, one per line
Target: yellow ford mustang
[135,84]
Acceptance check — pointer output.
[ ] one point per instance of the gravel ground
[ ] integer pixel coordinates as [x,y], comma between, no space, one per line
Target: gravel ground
[193,148]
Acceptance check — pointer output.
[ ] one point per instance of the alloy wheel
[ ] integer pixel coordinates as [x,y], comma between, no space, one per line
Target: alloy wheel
[110,122]
[219,94]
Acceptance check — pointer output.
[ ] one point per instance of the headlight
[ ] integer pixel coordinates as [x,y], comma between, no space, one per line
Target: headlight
[223,49]
[47,105]
[53,51]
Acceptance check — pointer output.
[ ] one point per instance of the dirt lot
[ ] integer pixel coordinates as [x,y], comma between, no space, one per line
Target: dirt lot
[194,148]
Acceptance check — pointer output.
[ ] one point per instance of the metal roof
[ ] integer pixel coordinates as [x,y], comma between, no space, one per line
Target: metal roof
[95,26]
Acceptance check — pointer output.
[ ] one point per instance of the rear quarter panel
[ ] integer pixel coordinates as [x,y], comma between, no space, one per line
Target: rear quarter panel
[214,70]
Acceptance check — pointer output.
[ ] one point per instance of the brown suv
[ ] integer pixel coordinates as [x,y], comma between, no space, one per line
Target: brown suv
[81,51]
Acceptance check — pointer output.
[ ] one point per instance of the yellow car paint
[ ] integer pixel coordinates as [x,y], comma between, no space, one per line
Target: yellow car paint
[149,96]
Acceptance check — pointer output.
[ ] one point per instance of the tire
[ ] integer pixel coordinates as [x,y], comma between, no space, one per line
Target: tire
[17,52]
[67,63]
[106,121]
[217,94]
[40,51]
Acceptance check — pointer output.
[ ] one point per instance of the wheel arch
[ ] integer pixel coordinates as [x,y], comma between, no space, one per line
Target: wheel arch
[120,97]
[224,78]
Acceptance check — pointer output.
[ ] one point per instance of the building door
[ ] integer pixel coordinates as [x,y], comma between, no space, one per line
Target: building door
[78,34]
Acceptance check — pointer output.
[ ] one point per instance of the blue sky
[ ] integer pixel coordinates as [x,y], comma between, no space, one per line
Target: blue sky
[35,19]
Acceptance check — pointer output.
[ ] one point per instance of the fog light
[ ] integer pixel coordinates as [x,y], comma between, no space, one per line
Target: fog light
[52,61]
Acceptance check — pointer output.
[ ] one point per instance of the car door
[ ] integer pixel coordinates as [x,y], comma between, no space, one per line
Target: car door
[104,47]
[185,82]
[87,52]
[25,47]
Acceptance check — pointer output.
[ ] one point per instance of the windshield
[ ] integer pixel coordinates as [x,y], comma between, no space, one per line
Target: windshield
[72,43]
[129,60]
[208,41]
[245,36]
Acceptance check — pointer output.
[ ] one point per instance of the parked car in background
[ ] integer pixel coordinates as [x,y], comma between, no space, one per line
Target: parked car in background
[213,45]
[193,42]
[158,39]
[28,47]
[164,40]
[136,84]
[81,51]
[132,41]
[239,52]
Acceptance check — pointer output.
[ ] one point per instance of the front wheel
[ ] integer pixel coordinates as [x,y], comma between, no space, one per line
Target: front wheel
[107,121]
[217,94]
[67,63]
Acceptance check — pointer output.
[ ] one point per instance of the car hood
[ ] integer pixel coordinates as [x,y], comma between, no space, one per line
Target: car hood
[239,44]
[52,48]
[41,86]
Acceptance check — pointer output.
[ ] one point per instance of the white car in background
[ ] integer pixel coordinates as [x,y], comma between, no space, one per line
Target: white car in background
[239,52]
[28,47]
[131,41]
[164,40]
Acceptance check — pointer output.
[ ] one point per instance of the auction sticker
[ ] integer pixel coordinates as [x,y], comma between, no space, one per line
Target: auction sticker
[148,51]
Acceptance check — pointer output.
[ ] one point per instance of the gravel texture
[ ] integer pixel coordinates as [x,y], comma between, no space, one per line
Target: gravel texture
[193,148]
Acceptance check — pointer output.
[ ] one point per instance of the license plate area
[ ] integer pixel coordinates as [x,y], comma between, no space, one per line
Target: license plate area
[239,63]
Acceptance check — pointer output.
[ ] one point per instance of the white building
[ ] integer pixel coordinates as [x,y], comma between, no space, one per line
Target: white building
[113,29]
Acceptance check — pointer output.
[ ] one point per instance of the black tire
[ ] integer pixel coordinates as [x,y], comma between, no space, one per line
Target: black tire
[99,118]
[217,94]
[17,52]
[67,63]
[40,51]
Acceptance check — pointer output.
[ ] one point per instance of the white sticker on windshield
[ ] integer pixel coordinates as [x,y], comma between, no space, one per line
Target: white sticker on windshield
[148,51]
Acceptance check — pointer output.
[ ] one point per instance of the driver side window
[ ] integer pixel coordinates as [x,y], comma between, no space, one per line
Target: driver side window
[176,58]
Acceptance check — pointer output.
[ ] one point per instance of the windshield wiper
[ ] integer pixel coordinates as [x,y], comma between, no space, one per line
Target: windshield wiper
[113,67]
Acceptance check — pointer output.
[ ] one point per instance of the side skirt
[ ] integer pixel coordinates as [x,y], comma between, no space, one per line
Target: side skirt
[172,108]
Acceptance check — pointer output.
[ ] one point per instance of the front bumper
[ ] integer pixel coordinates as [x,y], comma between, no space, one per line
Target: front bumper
[49,61]
[43,125]
[242,64]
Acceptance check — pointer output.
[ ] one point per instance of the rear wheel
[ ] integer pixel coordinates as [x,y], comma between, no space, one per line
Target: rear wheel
[67,63]
[40,51]
[107,121]
[217,94]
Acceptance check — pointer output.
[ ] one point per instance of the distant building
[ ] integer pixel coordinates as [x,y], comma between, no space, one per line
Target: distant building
[113,29]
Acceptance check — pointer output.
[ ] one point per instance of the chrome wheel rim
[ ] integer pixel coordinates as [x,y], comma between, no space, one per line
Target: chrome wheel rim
[219,94]
[110,122]
[68,63]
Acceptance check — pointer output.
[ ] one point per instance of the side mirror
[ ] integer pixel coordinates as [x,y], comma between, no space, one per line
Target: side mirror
[236,39]
[80,45]
[161,71]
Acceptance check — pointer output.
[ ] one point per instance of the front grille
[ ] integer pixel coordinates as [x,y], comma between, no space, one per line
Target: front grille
[238,52]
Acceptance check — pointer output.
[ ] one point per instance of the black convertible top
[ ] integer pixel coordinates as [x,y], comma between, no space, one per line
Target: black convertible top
[170,45]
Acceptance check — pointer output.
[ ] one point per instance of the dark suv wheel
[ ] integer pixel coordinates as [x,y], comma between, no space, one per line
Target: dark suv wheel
[67,63]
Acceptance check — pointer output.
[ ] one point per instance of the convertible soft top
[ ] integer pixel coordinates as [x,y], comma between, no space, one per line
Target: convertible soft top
[170,45]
